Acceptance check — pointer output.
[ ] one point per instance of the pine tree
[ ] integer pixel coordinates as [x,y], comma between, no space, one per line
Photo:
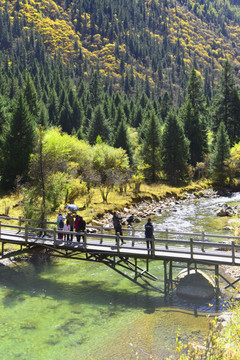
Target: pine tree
[99,126]
[191,114]
[225,103]
[65,118]
[151,146]
[122,139]
[18,144]
[95,89]
[53,108]
[43,117]
[31,96]
[175,149]
[218,163]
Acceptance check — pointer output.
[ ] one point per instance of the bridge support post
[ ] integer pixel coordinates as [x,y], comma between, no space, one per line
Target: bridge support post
[45,226]
[19,223]
[233,253]
[166,244]
[165,279]
[217,280]
[101,239]
[118,242]
[54,236]
[133,234]
[2,249]
[85,240]
[170,275]
[136,268]
[26,234]
[203,241]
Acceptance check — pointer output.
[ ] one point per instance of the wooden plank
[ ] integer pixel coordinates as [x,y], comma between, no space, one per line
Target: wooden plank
[175,253]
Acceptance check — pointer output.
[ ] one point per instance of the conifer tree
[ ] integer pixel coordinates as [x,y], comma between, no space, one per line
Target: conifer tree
[120,116]
[151,146]
[65,118]
[53,108]
[95,89]
[31,96]
[175,149]
[77,114]
[219,169]
[191,115]
[43,117]
[225,103]
[122,139]
[99,126]
[18,144]
[3,115]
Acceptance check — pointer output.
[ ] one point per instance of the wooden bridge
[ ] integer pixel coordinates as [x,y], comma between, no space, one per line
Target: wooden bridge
[174,249]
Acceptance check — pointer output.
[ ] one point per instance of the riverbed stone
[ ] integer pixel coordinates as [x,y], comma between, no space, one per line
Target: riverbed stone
[195,284]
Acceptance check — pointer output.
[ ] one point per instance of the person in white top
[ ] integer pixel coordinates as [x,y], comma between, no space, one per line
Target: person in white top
[66,227]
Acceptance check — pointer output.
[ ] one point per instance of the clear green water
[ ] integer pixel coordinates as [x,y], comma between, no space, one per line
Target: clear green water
[77,310]
[73,310]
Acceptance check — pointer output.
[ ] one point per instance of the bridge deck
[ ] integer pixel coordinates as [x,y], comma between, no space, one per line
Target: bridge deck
[169,247]
[175,251]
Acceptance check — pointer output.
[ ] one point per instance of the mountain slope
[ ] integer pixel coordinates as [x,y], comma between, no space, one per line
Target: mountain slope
[147,40]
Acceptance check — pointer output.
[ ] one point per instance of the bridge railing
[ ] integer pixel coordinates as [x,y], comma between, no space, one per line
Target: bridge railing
[133,231]
[193,244]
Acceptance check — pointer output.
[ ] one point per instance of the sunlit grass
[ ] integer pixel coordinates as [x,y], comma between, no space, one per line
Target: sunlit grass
[222,341]
[11,204]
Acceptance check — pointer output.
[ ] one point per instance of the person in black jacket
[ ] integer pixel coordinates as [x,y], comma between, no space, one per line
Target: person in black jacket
[81,226]
[130,219]
[117,224]
[149,233]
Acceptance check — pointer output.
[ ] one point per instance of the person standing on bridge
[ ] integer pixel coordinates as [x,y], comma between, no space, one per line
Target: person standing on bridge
[81,228]
[70,219]
[76,224]
[149,234]
[117,224]
[60,221]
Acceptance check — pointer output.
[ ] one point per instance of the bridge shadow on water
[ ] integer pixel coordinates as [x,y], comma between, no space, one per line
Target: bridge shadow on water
[24,280]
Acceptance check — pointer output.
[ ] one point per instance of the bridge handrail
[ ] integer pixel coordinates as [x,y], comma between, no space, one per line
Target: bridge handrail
[205,242]
[24,233]
[129,229]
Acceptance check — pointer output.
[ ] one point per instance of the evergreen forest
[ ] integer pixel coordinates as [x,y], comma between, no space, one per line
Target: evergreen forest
[114,92]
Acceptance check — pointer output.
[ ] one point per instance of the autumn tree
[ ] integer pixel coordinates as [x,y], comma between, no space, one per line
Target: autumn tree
[111,167]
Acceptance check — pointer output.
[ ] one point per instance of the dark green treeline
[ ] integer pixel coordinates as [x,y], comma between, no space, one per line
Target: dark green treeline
[36,89]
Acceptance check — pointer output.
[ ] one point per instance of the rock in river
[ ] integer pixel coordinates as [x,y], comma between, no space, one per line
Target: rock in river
[195,284]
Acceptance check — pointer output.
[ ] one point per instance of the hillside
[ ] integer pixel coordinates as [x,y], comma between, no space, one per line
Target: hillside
[131,41]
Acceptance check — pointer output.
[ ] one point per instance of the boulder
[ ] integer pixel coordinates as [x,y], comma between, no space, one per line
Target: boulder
[225,210]
[195,284]
[91,230]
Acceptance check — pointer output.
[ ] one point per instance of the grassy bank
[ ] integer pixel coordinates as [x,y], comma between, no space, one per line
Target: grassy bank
[12,204]
[222,342]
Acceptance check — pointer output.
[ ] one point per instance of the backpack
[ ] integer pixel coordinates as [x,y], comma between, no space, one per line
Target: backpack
[61,224]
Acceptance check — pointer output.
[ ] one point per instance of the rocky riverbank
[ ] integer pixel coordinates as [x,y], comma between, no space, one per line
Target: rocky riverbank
[148,208]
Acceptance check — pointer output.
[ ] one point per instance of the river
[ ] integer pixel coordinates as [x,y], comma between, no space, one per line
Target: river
[74,310]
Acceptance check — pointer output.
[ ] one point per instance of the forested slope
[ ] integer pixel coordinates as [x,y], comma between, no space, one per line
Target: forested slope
[129,40]
[152,82]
